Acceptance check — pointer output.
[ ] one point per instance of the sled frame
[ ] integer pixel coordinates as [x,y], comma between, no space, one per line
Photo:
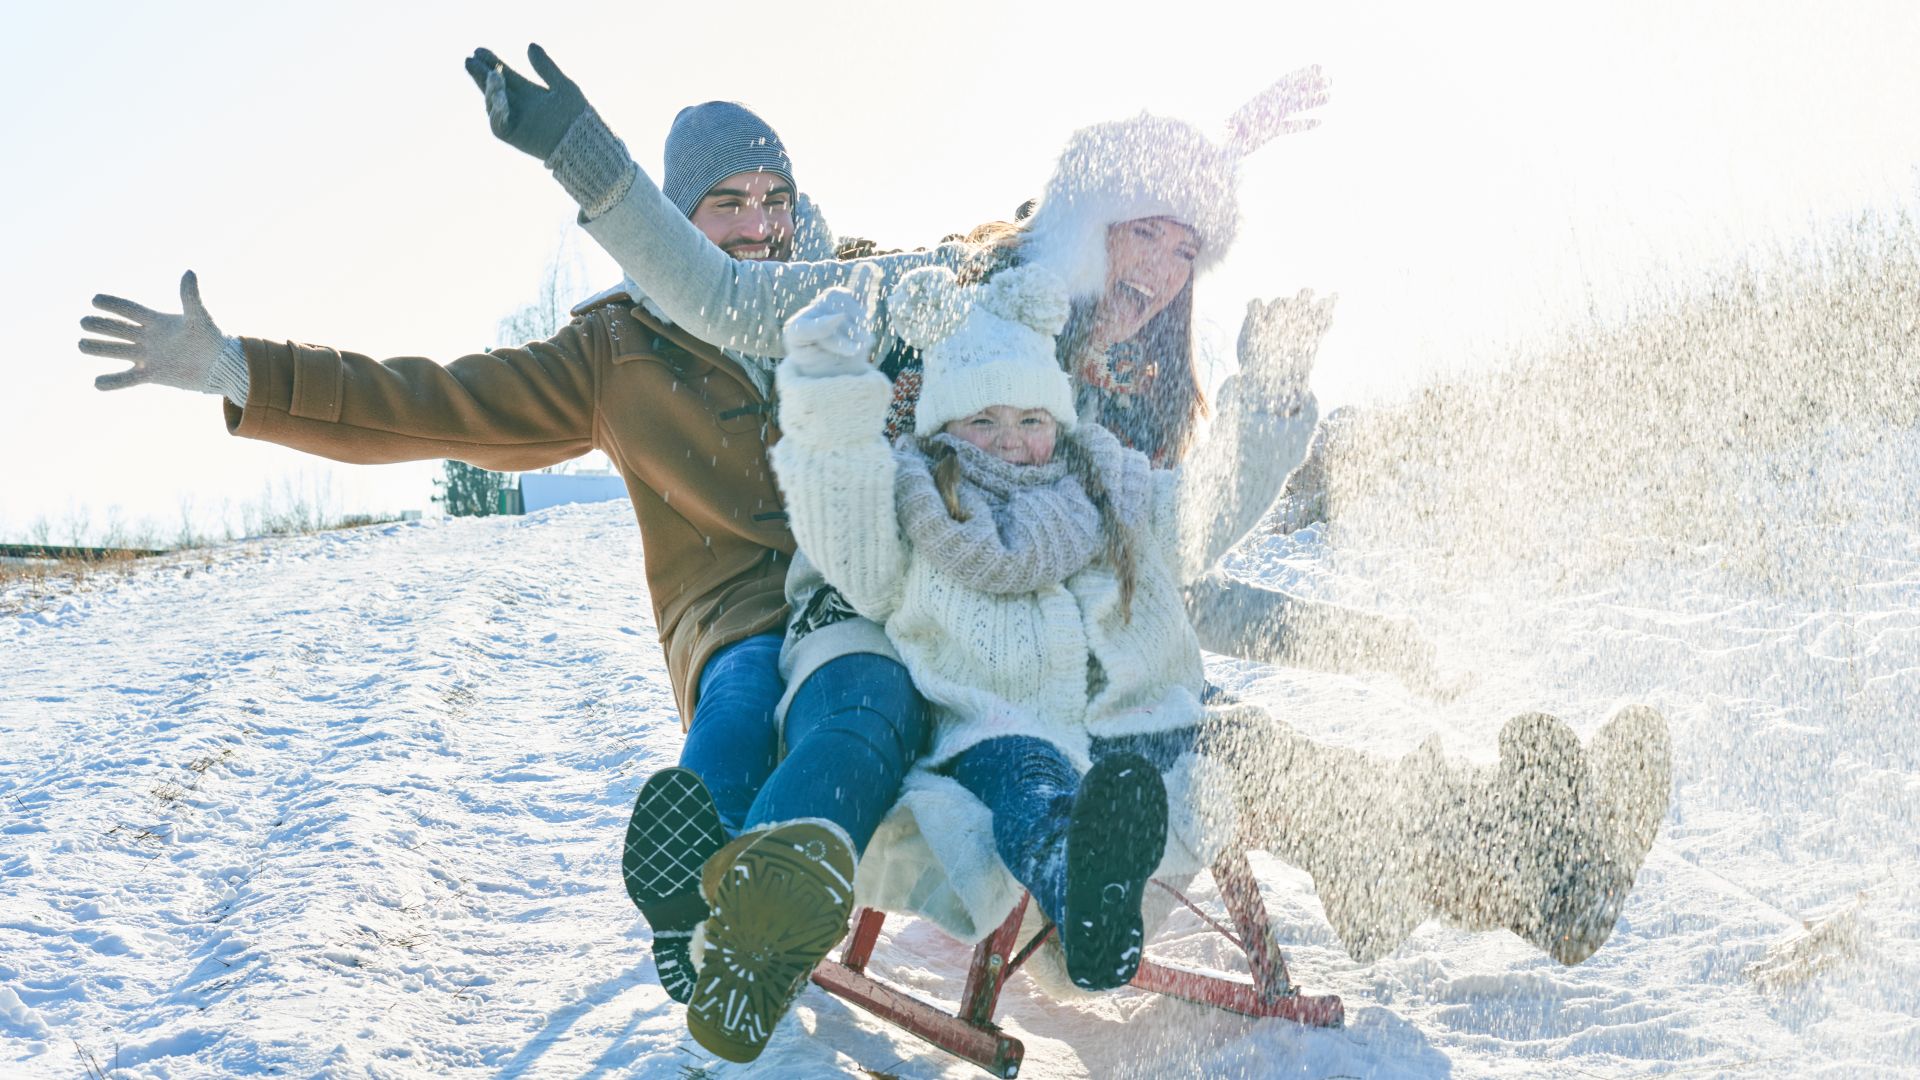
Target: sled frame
[970,1033]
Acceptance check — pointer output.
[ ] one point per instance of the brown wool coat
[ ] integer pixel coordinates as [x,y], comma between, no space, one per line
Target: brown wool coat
[685,426]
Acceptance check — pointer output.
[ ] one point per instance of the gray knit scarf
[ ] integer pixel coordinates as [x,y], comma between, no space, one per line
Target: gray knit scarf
[1028,526]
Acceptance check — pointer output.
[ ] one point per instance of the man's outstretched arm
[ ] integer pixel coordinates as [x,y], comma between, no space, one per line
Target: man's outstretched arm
[516,409]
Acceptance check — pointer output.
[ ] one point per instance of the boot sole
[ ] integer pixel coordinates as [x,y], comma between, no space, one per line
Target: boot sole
[779,906]
[673,832]
[1631,761]
[1116,839]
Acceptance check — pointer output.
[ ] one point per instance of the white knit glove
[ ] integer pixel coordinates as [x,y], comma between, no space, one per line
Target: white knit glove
[186,350]
[1278,342]
[831,336]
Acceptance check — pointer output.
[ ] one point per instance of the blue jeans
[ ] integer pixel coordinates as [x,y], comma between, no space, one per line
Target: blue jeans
[1029,787]
[733,744]
[853,729]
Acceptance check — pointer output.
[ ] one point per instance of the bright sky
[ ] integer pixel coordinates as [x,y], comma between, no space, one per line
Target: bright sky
[328,171]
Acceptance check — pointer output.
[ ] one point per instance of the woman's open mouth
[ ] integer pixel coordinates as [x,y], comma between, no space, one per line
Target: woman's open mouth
[1136,300]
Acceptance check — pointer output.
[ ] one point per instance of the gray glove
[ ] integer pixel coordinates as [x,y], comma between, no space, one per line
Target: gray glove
[186,350]
[1278,342]
[555,124]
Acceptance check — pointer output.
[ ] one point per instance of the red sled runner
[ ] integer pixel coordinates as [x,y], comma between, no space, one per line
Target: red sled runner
[971,1033]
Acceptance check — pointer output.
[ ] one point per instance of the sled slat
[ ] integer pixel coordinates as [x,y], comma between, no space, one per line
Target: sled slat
[1039,938]
[984,1046]
[1234,995]
[989,970]
[866,931]
[1240,890]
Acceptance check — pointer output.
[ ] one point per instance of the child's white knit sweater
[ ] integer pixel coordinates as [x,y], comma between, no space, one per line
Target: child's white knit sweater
[995,665]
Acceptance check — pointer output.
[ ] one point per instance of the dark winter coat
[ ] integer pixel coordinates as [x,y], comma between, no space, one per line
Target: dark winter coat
[684,424]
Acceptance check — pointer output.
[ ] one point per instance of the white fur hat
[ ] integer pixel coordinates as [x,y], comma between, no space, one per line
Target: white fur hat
[990,344]
[1149,166]
[1155,166]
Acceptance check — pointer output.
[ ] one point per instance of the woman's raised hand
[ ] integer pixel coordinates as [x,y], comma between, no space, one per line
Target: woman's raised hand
[523,114]
[173,350]
[1277,109]
[1278,342]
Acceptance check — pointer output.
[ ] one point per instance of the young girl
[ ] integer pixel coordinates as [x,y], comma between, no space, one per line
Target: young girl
[1028,570]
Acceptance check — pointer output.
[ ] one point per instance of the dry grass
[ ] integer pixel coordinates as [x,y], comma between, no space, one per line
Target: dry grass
[32,584]
[1684,423]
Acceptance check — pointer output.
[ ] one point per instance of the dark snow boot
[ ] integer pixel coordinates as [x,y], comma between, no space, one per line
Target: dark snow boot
[1370,880]
[1547,843]
[673,832]
[1534,815]
[780,902]
[1115,839]
[1630,763]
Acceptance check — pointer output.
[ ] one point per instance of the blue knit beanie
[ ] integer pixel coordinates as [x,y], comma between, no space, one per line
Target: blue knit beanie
[712,141]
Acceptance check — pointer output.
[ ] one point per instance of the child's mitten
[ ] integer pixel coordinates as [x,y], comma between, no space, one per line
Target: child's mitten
[831,336]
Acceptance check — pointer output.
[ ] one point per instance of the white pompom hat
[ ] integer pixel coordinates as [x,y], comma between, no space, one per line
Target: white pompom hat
[984,345]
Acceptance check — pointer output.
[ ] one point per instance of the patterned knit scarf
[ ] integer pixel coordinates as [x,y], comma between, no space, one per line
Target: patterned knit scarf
[1028,526]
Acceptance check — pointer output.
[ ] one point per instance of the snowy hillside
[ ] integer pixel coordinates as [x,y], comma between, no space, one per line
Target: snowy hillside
[350,805]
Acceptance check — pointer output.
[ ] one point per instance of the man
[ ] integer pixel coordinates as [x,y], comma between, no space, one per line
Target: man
[688,425]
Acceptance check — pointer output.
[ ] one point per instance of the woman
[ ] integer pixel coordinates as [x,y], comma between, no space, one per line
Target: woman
[1027,568]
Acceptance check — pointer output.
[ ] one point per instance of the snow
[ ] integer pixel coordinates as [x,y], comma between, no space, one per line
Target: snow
[350,805]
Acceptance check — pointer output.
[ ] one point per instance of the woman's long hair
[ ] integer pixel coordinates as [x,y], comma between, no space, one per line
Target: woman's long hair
[1119,550]
[1160,421]
[1119,547]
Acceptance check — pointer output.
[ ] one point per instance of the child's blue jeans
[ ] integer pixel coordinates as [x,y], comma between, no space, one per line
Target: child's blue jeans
[1029,786]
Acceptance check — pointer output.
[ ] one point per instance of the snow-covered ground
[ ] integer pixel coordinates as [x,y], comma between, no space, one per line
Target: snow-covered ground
[350,805]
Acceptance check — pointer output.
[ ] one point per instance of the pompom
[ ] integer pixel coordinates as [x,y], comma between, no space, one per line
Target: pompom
[1030,295]
[926,306]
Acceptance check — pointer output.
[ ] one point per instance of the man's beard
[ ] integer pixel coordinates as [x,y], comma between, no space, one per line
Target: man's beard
[779,248]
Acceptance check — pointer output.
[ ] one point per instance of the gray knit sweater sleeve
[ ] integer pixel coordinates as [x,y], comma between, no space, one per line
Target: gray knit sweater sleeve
[733,303]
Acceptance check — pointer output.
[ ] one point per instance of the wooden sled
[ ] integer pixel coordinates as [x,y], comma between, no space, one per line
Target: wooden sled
[971,1033]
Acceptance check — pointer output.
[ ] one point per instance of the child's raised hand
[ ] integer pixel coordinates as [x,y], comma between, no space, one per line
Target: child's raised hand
[831,336]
